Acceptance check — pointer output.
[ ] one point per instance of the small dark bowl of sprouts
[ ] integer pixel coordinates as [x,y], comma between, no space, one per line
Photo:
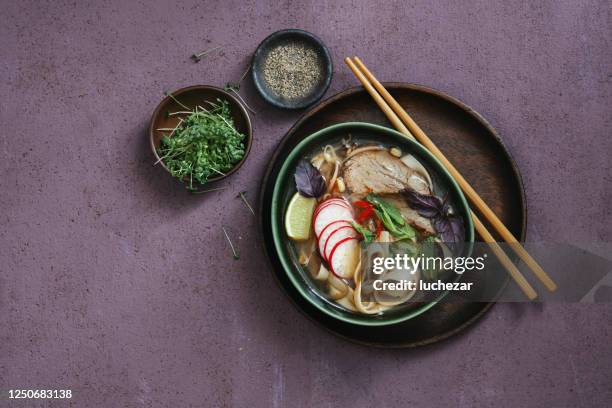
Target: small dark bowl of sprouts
[200,134]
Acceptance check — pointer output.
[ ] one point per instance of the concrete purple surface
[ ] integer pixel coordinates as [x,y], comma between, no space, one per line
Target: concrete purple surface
[117,284]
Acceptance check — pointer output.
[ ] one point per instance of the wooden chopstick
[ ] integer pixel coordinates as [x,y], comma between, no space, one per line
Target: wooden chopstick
[472,195]
[480,228]
[516,275]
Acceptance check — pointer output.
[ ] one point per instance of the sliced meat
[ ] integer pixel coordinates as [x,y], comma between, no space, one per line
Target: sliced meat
[417,183]
[411,216]
[379,172]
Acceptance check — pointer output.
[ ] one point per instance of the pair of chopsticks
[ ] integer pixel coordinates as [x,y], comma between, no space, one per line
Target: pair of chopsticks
[400,119]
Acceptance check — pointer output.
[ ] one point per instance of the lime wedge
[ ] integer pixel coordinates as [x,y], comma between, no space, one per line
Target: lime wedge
[298,218]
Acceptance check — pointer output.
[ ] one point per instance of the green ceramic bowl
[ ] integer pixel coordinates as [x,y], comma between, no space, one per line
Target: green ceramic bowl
[284,189]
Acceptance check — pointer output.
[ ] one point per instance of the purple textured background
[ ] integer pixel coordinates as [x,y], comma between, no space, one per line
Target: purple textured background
[120,286]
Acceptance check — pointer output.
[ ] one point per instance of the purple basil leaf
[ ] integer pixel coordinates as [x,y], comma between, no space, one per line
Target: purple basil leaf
[308,181]
[427,213]
[446,209]
[451,231]
[458,228]
[450,228]
[428,206]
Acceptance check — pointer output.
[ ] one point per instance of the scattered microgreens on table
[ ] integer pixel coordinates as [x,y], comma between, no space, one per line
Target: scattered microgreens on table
[234,252]
[234,87]
[205,142]
[210,190]
[242,196]
[197,57]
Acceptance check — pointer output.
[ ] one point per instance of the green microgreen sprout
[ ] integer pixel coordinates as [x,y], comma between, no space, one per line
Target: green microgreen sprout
[204,142]
[171,114]
[234,253]
[242,100]
[210,190]
[242,196]
[168,94]
[234,87]
[197,57]
[217,171]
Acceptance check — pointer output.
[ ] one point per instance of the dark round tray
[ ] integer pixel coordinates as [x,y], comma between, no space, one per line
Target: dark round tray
[468,141]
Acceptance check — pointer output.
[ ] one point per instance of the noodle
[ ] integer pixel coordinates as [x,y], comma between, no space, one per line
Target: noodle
[347,291]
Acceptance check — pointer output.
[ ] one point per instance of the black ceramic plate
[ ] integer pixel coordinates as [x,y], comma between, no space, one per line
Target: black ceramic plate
[286,36]
[468,141]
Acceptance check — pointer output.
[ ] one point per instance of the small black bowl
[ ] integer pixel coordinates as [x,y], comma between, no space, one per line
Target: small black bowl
[281,37]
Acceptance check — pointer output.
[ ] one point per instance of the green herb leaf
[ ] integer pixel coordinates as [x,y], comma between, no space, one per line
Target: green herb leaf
[407,247]
[429,250]
[368,236]
[391,218]
[389,209]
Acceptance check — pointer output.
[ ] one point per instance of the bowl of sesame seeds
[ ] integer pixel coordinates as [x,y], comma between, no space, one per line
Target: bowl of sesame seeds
[291,69]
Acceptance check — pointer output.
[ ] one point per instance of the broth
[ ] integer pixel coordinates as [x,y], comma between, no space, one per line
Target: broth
[372,193]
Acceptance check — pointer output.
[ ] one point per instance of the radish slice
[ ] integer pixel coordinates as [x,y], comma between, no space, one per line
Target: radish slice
[332,201]
[338,235]
[327,231]
[331,224]
[336,201]
[344,257]
[327,234]
[331,213]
